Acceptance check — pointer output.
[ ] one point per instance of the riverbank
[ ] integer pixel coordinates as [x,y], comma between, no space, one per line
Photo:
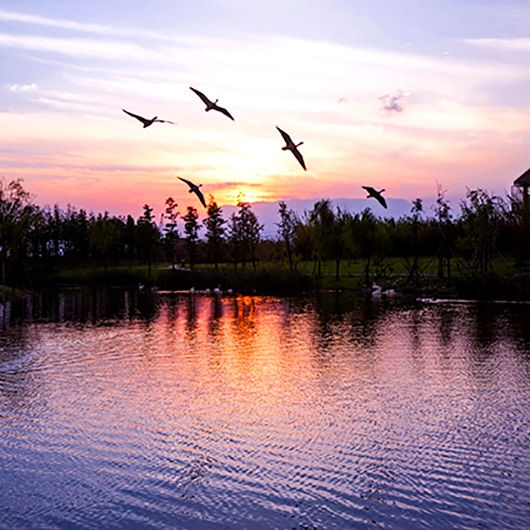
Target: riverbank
[276,279]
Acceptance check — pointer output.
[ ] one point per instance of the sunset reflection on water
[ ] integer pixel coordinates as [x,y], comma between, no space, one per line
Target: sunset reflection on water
[163,410]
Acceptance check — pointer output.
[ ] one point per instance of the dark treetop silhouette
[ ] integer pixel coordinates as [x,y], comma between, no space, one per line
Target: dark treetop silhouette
[212,105]
[290,146]
[376,195]
[195,189]
[145,121]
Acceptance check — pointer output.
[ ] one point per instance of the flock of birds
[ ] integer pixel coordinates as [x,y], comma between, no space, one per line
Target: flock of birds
[289,146]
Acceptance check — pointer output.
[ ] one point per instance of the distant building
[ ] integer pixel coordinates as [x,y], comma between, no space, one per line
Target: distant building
[522,184]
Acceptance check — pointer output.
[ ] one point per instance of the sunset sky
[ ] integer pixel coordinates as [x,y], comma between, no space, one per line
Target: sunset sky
[317,69]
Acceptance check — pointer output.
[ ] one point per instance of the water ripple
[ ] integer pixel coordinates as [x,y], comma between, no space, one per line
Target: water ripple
[263,413]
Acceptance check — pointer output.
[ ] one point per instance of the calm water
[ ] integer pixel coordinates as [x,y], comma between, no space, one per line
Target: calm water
[151,411]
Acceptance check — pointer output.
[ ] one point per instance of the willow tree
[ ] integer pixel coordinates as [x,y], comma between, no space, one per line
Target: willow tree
[321,220]
[482,215]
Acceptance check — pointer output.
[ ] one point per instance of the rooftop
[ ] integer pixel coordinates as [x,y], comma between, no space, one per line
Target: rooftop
[523,180]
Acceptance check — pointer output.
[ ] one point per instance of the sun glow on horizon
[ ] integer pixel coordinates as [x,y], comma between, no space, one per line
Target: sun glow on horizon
[66,135]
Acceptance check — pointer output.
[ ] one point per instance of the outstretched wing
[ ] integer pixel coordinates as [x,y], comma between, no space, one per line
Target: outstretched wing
[165,121]
[381,200]
[190,184]
[285,136]
[200,195]
[224,111]
[299,157]
[204,99]
[140,118]
[369,189]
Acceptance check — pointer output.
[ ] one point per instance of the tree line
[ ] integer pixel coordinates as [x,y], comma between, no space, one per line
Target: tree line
[487,227]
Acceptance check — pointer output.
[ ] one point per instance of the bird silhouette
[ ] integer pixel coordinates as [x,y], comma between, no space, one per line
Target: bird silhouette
[212,105]
[195,189]
[145,121]
[291,146]
[376,195]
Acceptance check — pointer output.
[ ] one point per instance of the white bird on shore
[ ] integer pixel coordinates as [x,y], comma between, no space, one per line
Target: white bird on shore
[291,146]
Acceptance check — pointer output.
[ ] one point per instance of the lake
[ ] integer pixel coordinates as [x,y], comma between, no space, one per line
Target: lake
[153,410]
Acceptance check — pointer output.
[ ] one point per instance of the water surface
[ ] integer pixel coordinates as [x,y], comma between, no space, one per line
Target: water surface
[158,410]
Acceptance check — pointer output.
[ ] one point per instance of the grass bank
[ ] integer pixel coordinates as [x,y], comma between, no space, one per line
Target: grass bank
[503,281]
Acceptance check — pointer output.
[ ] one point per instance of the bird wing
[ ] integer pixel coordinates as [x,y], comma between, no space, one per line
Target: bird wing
[165,121]
[285,136]
[224,111]
[143,120]
[299,157]
[200,195]
[205,100]
[369,189]
[381,200]
[190,184]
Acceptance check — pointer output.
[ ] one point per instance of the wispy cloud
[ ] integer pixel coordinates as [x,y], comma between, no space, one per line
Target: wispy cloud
[110,49]
[31,87]
[522,44]
[84,27]
[303,85]
[14,16]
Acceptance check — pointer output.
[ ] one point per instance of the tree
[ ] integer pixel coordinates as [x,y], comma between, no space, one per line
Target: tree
[191,229]
[106,237]
[321,221]
[416,211]
[16,215]
[443,219]
[74,234]
[482,215]
[215,231]
[244,233]
[171,232]
[287,230]
[366,238]
[147,235]
[339,238]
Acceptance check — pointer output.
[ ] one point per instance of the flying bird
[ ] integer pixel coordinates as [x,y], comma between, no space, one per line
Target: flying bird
[145,121]
[290,146]
[376,195]
[212,105]
[195,189]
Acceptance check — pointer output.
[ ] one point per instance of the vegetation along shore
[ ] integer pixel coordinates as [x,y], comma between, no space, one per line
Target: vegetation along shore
[480,252]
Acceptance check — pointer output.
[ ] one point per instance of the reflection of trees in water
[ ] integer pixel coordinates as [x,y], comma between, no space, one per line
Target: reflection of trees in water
[216,315]
[84,306]
[355,317]
[191,316]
